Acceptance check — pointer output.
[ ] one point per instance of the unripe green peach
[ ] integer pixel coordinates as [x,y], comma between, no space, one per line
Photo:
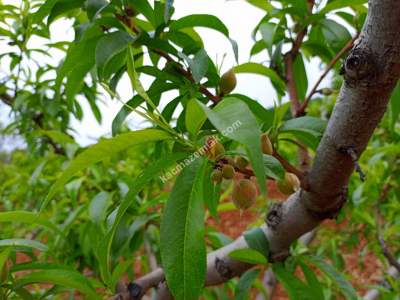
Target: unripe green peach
[326,91]
[214,150]
[228,172]
[241,163]
[244,193]
[216,176]
[289,184]
[228,82]
[266,145]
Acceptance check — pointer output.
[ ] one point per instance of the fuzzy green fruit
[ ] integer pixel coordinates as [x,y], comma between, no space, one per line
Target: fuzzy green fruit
[266,145]
[244,194]
[228,82]
[241,163]
[289,184]
[214,150]
[228,172]
[216,176]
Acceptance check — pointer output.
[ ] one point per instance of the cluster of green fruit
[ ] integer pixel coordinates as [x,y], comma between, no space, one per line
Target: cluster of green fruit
[245,191]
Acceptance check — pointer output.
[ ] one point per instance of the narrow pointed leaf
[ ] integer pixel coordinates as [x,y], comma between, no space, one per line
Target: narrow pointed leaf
[183,250]
[103,150]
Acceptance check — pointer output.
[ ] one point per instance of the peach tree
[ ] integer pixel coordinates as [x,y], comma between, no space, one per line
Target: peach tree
[83,220]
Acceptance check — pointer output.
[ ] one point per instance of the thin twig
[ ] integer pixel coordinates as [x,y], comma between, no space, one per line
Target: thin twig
[331,64]
[289,59]
[287,166]
[188,75]
[7,99]
[379,220]
[37,119]
[129,22]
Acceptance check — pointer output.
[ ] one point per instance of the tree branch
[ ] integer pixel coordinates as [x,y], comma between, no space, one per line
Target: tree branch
[371,71]
[379,220]
[37,119]
[331,64]
[373,294]
[7,99]
[128,21]
[188,75]
[289,60]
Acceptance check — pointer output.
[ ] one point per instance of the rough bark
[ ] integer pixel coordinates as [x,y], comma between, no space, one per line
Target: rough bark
[371,71]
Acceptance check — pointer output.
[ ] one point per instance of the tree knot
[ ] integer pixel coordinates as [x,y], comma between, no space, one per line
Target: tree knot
[360,67]
[223,268]
[135,290]
[274,216]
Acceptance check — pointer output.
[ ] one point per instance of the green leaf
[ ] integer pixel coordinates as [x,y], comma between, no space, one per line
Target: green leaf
[264,5]
[144,7]
[218,239]
[136,84]
[273,167]
[296,289]
[335,34]
[300,76]
[4,256]
[248,256]
[265,116]
[345,287]
[61,7]
[204,20]
[200,20]
[78,62]
[104,251]
[183,250]
[299,7]
[308,129]
[233,119]
[268,32]
[37,265]
[108,47]
[98,206]
[245,283]
[101,151]
[23,243]
[199,65]
[67,278]
[125,110]
[312,281]
[394,106]
[43,10]
[259,69]
[93,7]
[26,217]
[155,91]
[58,137]
[257,240]
[338,4]
[195,117]
[307,124]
